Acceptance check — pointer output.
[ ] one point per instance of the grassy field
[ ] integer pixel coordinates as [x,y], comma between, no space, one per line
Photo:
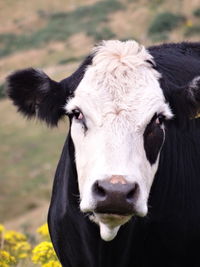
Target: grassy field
[44,33]
[29,155]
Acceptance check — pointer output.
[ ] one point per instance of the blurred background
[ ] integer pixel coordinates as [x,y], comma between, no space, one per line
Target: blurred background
[56,35]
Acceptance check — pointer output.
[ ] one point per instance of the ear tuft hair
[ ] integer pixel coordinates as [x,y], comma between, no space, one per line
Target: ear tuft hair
[193,96]
[194,89]
[184,100]
[23,88]
[35,94]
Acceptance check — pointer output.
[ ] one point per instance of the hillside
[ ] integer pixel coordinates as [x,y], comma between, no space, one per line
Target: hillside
[49,33]
[55,36]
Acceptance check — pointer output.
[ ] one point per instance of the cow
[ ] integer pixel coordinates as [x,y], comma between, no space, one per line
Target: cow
[126,191]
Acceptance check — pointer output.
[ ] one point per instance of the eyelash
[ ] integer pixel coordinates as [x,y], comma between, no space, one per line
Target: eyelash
[77,114]
[79,117]
[160,119]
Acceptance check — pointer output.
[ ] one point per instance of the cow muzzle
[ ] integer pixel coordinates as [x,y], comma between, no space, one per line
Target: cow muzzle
[115,196]
[115,200]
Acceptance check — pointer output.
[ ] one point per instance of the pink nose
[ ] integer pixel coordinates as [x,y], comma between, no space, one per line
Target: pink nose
[115,195]
[117,179]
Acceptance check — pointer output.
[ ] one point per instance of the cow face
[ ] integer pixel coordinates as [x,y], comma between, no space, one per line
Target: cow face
[118,129]
[118,113]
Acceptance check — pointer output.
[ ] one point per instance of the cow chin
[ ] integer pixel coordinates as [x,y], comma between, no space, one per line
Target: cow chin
[110,224]
[112,211]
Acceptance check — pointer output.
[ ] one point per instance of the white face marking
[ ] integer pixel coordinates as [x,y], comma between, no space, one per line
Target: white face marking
[118,96]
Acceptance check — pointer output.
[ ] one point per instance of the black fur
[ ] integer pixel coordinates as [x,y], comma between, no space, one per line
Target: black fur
[153,140]
[35,94]
[168,236]
[179,65]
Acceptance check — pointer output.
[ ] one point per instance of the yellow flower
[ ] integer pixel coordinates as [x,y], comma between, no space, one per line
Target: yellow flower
[16,244]
[2,228]
[6,259]
[44,231]
[13,237]
[189,23]
[43,253]
[22,250]
[16,249]
[52,264]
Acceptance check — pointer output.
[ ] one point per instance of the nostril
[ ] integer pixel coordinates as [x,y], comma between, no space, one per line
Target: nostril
[98,190]
[132,193]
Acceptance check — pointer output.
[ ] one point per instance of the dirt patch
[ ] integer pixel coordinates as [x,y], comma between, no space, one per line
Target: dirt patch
[20,15]
[80,44]
[50,55]
[30,221]
[60,72]
[77,46]
[22,25]
[187,7]
[131,23]
[21,60]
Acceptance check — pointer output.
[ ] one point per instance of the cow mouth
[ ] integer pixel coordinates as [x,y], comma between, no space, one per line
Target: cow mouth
[110,223]
[115,211]
[113,219]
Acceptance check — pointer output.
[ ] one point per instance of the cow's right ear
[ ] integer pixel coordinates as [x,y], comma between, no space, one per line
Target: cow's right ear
[36,95]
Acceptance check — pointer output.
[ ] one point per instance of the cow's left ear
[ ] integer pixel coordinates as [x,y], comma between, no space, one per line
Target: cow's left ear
[184,100]
[36,95]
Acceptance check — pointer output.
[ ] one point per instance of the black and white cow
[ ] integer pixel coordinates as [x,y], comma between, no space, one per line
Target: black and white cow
[125,103]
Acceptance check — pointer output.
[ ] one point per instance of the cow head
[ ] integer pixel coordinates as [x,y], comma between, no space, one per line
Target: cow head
[118,109]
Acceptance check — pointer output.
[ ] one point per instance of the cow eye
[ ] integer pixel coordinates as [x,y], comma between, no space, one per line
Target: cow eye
[160,119]
[153,137]
[77,114]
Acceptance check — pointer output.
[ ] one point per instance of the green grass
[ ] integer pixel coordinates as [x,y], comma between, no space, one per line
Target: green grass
[196,12]
[70,60]
[154,4]
[102,34]
[192,30]
[2,91]
[60,26]
[164,23]
[29,153]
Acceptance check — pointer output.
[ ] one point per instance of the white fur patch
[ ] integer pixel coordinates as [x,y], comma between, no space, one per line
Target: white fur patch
[107,233]
[118,96]
[110,224]
[194,87]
